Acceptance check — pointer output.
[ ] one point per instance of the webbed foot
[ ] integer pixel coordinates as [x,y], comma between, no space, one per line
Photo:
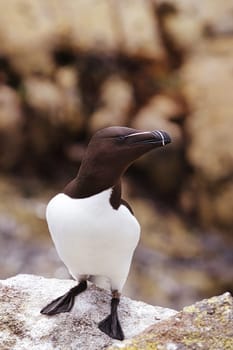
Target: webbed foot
[111,324]
[65,302]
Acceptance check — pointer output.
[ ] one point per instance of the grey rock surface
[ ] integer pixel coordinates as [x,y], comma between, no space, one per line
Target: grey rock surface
[23,327]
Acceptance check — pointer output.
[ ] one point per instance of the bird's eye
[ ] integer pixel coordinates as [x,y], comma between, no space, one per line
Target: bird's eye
[121,138]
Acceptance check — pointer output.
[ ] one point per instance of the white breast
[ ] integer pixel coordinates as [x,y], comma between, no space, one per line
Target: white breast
[93,238]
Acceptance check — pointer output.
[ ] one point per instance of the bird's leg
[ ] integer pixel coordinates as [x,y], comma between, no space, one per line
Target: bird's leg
[111,324]
[65,302]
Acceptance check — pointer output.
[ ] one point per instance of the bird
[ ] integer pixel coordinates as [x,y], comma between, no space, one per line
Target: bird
[93,228]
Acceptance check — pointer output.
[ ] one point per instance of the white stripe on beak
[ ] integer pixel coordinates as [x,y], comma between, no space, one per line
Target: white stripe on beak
[139,133]
[161,135]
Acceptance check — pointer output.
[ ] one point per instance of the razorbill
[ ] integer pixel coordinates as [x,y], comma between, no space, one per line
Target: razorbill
[93,228]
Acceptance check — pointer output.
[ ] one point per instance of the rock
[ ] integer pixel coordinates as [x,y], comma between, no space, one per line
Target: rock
[27,34]
[91,25]
[31,32]
[116,101]
[11,123]
[187,24]
[23,327]
[57,102]
[159,113]
[208,86]
[71,116]
[181,22]
[209,125]
[164,169]
[139,28]
[204,31]
[44,96]
[10,111]
[205,325]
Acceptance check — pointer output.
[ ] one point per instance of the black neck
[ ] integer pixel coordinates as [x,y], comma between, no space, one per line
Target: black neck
[92,180]
[75,189]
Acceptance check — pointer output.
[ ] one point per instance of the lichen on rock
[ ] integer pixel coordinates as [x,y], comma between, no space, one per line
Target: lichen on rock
[206,325]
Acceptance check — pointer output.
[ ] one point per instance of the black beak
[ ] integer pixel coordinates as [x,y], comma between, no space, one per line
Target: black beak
[157,137]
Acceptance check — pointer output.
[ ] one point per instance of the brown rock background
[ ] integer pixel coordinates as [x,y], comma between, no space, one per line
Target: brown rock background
[70,68]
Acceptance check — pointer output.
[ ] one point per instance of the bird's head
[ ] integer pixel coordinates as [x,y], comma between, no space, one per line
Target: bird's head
[111,150]
[118,147]
[109,153]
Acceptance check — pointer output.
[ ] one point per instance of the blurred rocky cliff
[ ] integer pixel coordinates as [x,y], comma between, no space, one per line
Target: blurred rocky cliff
[68,68]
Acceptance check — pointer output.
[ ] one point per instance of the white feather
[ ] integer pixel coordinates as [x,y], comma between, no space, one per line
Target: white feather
[92,238]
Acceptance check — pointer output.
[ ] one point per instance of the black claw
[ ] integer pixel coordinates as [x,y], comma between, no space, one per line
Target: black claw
[65,302]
